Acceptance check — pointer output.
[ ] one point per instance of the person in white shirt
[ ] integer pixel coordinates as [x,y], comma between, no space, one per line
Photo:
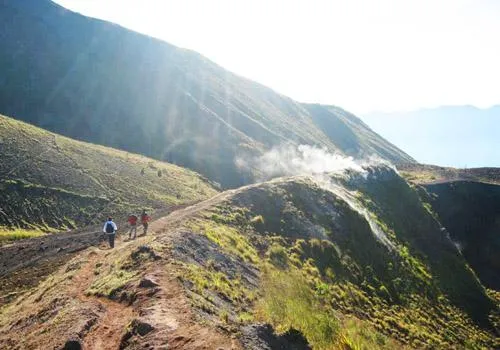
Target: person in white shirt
[110,229]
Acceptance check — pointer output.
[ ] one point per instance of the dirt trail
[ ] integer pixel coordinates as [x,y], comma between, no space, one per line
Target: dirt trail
[25,263]
[163,305]
[110,329]
[115,316]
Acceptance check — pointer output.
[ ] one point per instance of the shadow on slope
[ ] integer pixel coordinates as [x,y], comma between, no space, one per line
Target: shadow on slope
[471,213]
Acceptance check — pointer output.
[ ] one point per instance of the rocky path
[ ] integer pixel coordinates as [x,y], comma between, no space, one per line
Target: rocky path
[160,317]
[23,264]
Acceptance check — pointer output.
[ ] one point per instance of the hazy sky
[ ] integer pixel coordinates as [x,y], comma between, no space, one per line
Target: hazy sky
[360,55]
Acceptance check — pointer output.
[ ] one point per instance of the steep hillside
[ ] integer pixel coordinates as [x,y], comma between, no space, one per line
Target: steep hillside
[467,202]
[50,182]
[95,81]
[471,213]
[349,260]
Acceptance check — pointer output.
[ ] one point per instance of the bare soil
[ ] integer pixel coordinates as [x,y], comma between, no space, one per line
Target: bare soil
[159,317]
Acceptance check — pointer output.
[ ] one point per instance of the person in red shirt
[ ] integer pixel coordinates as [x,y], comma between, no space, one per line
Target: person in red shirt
[132,221]
[145,219]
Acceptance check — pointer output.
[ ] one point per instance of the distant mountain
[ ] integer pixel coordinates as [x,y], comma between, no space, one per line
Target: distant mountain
[458,136]
[96,81]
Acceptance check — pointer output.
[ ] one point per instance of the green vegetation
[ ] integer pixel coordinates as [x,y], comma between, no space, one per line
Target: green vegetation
[119,269]
[360,335]
[111,283]
[208,280]
[15,234]
[347,290]
[49,182]
[226,236]
[289,303]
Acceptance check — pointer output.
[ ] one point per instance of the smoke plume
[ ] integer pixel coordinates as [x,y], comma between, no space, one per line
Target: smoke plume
[319,164]
[297,160]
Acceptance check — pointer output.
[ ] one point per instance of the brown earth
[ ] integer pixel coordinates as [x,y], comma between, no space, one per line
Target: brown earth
[25,263]
[61,313]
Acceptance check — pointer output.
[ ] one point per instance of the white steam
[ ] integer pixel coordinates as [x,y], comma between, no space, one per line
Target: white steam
[298,160]
[319,164]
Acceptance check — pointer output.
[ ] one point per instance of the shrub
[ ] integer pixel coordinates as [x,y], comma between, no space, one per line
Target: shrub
[278,256]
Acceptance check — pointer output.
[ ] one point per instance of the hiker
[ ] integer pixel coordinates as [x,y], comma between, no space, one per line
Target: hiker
[110,229]
[132,221]
[145,218]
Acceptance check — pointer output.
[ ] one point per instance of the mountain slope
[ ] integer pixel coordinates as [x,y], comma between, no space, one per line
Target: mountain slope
[50,182]
[352,259]
[457,136]
[471,213]
[92,80]
[467,202]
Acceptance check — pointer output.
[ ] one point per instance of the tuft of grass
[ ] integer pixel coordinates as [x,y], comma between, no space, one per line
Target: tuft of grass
[226,237]
[245,317]
[278,256]
[110,284]
[357,334]
[205,280]
[18,233]
[289,303]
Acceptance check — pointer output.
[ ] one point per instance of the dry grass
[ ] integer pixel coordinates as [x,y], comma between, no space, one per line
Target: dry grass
[16,234]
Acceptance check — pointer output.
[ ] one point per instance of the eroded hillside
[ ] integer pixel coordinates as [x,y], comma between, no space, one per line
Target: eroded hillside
[345,260]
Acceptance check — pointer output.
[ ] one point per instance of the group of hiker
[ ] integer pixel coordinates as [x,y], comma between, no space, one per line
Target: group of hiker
[110,227]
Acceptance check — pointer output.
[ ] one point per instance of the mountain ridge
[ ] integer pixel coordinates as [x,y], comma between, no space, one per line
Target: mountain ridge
[286,253]
[82,76]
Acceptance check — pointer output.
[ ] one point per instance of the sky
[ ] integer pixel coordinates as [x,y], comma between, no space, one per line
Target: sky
[364,56]
[458,136]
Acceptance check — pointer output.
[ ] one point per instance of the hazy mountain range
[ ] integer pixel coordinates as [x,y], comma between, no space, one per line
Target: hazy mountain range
[458,136]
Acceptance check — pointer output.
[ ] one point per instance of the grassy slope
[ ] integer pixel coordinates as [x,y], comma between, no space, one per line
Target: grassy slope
[166,102]
[319,262]
[290,253]
[52,182]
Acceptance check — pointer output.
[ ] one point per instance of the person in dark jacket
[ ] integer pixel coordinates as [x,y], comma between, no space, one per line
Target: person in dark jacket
[110,229]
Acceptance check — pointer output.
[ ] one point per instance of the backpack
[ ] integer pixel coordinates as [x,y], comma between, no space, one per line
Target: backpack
[110,228]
